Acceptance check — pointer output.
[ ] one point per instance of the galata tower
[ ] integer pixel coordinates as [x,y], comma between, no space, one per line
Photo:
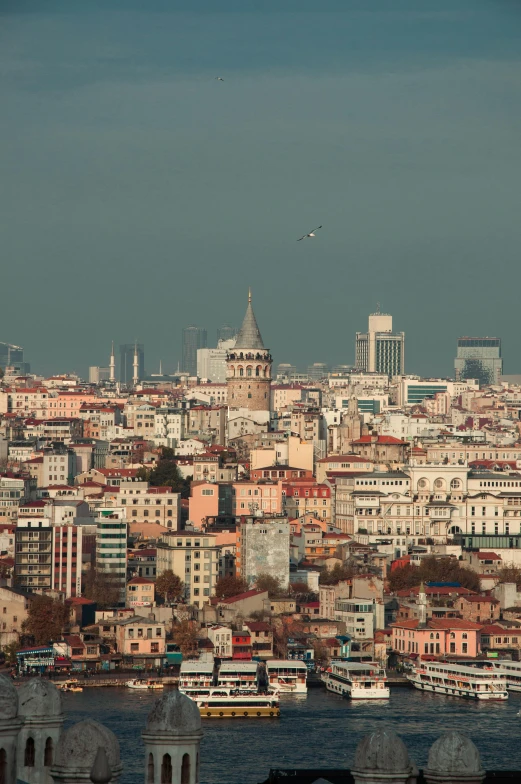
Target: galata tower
[249,367]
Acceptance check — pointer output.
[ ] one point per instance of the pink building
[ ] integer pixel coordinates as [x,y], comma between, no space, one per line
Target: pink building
[437,637]
[204,501]
[266,495]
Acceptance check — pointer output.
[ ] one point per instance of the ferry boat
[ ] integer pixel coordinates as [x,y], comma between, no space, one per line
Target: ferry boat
[135,683]
[357,680]
[240,675]
[196,677]
[510,670]
[459,680]
[287,676]
[223,703]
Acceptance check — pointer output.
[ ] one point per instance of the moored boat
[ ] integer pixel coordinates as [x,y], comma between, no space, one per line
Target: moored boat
[357,680]
[196,678]
[459,680]
[69,686]
[136,683]
[287,676]
[223,703]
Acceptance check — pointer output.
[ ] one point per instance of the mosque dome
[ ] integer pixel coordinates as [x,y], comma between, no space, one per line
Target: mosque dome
[39,698]
[78,746]
[8,699]
[382,751]
[454,753]
[174,714]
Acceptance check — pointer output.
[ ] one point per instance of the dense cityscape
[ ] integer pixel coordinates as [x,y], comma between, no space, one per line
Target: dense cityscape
[231,527]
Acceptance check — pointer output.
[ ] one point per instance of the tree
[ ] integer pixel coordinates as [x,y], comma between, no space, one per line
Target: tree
[46,619]
[167,474]
[285,628]
[169,586]
[437,570]
[184,634]
[265,582]
[10,652]
[101,588]
[337,573]
[225,587]
[510,574]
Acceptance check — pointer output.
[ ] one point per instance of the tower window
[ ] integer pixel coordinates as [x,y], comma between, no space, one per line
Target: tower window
[185,769]
[3,767]
[47,755]
[166,769]
[29,753]
[249,394]
[150,769]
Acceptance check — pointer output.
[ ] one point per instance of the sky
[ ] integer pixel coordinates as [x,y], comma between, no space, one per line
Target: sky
[139,194]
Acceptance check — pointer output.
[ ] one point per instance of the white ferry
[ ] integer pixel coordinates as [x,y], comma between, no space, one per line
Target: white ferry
[287,675]
[137,683]
[357,680]
[459,680]
[229,703]
[240,675]
[510,670]
[196,677]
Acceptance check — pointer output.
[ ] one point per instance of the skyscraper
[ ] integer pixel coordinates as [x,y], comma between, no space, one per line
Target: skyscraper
[126,362]
[479,358]
[13,356]
[193,338]
[380,350]
[226,332]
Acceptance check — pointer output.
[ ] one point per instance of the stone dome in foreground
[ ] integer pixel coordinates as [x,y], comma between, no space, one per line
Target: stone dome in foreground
[174,714]
[8,699]
[78,746]
[382,751]
[454,753]
[39,699]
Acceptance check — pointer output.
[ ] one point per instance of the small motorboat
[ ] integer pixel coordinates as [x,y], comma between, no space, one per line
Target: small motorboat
[70,686]
[137,683]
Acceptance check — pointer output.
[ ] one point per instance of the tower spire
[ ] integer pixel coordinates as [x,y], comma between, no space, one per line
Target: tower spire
[112,365]
[135,365]
[249,295]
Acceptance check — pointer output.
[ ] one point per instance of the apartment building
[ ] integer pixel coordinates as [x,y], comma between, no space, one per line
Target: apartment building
[194,557]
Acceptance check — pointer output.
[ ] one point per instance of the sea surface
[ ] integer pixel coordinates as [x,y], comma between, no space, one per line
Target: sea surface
[317,730]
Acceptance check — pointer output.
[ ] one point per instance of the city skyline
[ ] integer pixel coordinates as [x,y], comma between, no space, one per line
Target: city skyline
[111,152]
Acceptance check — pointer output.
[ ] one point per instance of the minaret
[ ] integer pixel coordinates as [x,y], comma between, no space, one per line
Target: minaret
[135,366]
[249,367]
[172,738]
[112,365]
[422,606]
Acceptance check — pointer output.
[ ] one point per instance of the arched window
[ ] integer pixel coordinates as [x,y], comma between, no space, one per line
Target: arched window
[437,635]
[258,370]
[241,371]
[197,769]
[166,769]
[3,767]
[29,753]
[185,769]
[266,372]
[464,635]
[432,635]
[150,769]
[47,754]
[249,370]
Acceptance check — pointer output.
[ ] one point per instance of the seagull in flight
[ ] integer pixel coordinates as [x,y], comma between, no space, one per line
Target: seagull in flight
[308,236]
[219,79]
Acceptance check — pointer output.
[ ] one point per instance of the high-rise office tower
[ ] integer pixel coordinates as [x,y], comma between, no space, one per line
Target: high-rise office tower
[226,332]
[380,350]
[479,358]
[13,356]
[126,363]
[193,338]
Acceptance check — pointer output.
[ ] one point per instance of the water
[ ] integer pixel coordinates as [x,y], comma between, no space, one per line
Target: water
[320,730]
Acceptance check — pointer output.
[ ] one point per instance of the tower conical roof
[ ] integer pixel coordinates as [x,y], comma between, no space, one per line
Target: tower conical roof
[249,334]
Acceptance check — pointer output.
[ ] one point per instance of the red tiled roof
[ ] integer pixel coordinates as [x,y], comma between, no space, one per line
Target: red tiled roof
[480,598]
[484,556]
[258,626]
[240,596]
[139,581]
[438,623]
[493,628]
[380,440]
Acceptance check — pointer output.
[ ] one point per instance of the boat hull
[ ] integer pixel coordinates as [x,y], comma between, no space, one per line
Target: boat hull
[449,691]
[239,712]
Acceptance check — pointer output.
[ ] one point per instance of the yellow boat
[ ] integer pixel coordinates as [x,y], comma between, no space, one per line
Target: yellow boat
[69,686]
[230,704]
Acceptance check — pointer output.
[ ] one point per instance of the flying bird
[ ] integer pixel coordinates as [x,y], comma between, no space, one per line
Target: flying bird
[311,234]
[219,79]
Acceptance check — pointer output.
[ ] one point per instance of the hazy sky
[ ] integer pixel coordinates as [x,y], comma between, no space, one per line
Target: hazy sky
[139,195]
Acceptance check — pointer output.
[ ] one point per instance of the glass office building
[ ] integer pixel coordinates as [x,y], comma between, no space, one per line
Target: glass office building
[479,358]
